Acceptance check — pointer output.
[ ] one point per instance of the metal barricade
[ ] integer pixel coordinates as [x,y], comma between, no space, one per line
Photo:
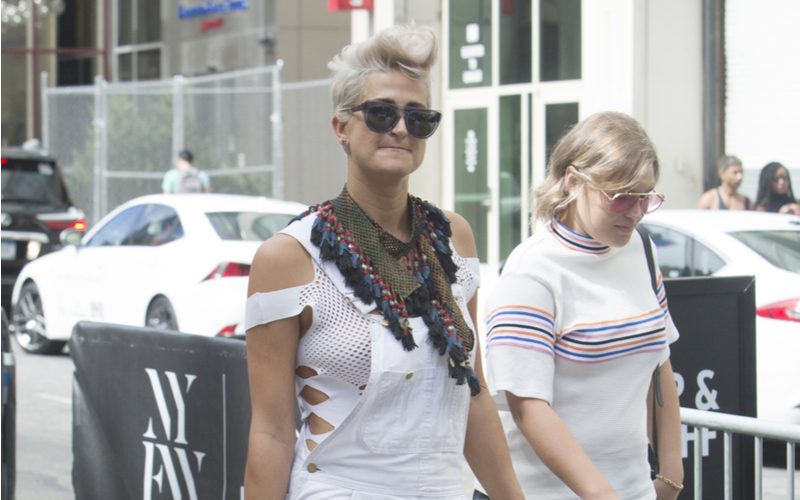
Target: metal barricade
[748,426]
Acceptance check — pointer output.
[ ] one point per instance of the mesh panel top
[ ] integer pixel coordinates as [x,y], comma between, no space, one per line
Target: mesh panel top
[338,343]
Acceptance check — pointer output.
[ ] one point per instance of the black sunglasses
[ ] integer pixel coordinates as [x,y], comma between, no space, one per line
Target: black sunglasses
[382,117]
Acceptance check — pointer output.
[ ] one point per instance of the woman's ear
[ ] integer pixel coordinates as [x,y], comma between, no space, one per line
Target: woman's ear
[570,179]
[339,130]
[340,133]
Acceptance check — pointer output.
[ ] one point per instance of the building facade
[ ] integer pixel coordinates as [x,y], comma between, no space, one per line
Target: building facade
[512,76]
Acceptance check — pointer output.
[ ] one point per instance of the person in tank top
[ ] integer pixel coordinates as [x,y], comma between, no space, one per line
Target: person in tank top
[726,196]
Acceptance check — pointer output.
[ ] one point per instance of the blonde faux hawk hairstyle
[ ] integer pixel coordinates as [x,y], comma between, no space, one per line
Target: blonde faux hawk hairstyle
[409,49]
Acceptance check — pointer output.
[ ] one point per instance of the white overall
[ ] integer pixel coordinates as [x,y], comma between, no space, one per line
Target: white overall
[403,438]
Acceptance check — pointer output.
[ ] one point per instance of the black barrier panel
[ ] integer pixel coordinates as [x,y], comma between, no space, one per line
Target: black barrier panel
[157,414]
[715,369]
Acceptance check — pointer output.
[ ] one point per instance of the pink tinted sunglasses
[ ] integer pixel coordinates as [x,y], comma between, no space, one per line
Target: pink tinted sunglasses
[622,202]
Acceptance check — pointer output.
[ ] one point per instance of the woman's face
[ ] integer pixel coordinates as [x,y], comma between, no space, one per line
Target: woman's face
[394,154]
[780,181]
[591,212]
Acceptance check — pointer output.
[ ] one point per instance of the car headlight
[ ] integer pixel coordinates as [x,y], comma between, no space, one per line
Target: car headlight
[34,249]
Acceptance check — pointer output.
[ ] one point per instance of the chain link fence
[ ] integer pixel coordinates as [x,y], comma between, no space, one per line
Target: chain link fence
[250,133]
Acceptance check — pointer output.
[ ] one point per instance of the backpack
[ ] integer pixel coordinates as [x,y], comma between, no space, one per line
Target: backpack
[190,182]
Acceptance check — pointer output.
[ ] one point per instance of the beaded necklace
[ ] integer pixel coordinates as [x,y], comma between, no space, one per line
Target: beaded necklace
[403,279]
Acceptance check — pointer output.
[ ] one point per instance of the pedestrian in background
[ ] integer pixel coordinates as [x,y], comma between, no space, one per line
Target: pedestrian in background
[185,177]
[578,329]
[775,190]
[727,195]
[362,313]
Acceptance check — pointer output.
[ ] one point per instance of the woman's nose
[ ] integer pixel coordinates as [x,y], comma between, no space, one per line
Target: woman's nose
[400,126]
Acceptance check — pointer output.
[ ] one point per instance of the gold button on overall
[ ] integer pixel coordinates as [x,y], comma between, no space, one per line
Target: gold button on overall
[312,468]
[409,375]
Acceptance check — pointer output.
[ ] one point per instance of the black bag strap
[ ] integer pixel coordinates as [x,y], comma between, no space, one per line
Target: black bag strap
[648,253]
[658,398]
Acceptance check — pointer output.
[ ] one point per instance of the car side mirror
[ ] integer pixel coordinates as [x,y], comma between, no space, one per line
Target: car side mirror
[70,236]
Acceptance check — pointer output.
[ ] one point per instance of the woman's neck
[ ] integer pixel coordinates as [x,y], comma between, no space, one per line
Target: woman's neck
[386,206]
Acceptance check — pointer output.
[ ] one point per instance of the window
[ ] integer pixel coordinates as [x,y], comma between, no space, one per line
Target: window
[779,248]
[704,261]
[472,198]
[31,181]
[558,119]
[510,181]
[515,41]
[680,256]
[139,51]
[470,43]
[504,124]
[559,40]
[673,251]
[116,230]
[159,224]
[247,226]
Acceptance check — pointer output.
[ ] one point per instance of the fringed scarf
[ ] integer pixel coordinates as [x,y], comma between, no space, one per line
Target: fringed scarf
[402,279]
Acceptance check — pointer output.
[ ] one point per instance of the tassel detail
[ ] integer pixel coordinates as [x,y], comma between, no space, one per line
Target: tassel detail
[433,233]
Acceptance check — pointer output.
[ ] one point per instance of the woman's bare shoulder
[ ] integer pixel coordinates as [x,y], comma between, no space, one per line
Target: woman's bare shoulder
[463,238]
[280,262]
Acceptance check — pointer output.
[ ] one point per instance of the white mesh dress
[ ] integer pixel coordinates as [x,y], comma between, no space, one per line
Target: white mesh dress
[398,419]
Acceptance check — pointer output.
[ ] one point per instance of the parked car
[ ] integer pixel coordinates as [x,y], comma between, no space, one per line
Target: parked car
[36,208]
[178,262]
[9,414]
[764,245]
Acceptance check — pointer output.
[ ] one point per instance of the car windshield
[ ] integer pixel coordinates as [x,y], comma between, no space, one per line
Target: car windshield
[32,181]
[779,248]
[247,226]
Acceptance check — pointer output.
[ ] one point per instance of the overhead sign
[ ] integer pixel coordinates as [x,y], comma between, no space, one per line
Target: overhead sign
[211,8]
[337,5]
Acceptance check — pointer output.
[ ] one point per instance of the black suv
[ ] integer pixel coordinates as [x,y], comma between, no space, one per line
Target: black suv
[36,208]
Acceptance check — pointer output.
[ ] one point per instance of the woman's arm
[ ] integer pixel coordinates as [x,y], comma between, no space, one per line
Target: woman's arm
[668,426]
[552,440]
[280,263]
[485,447]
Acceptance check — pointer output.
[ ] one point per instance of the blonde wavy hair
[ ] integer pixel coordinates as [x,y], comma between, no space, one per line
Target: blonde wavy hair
[610,149]
[409,49]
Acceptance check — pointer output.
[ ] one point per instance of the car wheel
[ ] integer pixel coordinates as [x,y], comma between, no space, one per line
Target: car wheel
[30,328]
[161,315]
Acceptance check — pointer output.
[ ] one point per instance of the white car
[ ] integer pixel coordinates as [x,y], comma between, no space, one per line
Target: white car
[736,243]
[177,262]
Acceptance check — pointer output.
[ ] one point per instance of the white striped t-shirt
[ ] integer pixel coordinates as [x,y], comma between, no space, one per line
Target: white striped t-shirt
[577,324]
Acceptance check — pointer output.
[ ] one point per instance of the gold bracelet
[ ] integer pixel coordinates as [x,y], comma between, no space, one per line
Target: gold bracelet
[669,482]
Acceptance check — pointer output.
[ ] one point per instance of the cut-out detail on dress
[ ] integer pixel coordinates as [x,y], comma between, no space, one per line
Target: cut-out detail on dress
[313,396]
[303,371]
[319,425]
[311,444]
